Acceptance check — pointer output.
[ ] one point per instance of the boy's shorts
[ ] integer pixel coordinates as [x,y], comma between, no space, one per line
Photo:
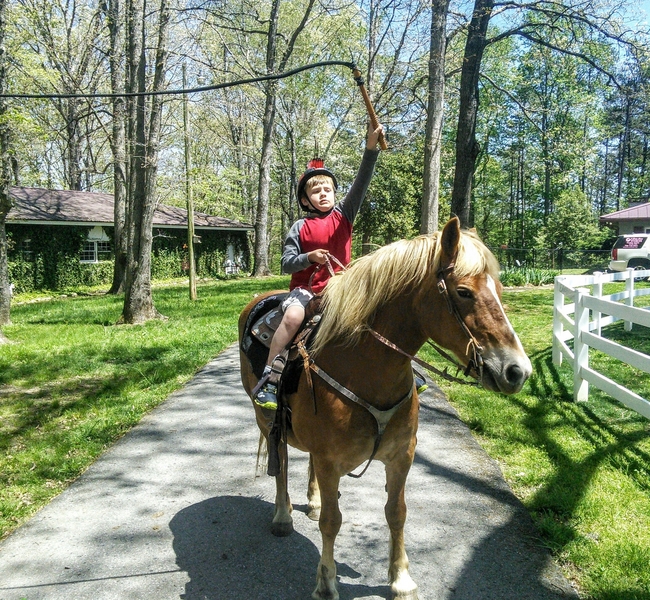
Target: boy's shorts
[297,296]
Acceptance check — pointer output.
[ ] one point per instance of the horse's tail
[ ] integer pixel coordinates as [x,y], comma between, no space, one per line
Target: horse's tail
[261,464]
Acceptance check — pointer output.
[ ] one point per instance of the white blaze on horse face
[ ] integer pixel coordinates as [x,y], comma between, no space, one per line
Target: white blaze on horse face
[493,288]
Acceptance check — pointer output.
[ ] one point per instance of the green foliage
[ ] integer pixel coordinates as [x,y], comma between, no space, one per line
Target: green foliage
[572,224]
[513,276]
[391,210]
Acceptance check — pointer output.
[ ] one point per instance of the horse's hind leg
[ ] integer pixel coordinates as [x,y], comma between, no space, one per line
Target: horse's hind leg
[401,583]
[282,524]
[313,493]
[329,524]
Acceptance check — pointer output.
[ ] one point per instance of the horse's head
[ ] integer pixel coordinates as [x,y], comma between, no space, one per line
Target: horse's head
[467,277]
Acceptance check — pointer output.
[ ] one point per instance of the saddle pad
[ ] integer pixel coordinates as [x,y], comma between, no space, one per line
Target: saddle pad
[264,328]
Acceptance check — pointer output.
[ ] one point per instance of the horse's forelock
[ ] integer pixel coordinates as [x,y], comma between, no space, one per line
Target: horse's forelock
[474,257]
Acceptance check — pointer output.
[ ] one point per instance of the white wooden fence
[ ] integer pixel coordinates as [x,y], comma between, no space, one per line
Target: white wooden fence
[580,311]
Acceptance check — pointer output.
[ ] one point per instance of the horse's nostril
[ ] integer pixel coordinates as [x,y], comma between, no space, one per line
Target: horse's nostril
[514,374]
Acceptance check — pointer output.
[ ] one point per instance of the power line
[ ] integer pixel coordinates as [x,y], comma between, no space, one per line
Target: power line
[206,88]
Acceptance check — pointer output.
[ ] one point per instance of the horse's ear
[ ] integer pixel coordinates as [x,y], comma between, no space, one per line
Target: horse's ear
[449,242]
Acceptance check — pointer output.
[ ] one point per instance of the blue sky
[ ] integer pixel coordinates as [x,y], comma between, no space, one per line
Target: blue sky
[645,6]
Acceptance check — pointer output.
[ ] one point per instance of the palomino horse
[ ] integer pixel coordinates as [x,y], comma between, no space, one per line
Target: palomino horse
[442,287]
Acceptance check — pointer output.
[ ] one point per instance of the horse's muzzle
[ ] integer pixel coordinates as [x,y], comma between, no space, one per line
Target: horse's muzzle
[505,374]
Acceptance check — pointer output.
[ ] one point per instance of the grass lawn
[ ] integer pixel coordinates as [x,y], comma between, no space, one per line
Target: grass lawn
[73,382]
[582,470]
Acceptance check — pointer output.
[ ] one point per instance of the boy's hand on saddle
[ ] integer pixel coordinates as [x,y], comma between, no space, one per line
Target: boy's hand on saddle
[319,256]
[372,139]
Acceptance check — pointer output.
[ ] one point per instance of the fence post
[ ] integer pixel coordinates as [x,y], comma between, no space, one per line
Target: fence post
[558,303]
[598,293]
[630,295]
[580,349]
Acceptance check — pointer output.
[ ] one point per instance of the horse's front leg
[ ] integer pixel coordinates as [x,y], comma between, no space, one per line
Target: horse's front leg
[402,586]
[329,524]
[313,493]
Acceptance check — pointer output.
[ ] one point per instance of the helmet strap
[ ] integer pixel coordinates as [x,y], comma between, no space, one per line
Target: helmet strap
[312,209]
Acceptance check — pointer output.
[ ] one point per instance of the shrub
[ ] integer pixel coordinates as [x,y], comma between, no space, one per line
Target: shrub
[512,276]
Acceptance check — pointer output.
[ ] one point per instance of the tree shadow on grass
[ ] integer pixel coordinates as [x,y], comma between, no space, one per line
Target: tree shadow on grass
[554,505]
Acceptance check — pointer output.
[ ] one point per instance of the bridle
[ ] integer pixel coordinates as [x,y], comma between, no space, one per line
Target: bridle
[474,366]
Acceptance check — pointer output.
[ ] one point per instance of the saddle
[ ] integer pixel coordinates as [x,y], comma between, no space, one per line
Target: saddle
[260,326]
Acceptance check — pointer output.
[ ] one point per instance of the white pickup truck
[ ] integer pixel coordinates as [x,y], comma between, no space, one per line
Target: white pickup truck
[631,250]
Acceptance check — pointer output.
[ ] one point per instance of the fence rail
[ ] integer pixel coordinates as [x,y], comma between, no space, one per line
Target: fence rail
[582,318]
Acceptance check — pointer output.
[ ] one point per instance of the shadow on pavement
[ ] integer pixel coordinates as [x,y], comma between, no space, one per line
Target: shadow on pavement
[226,547]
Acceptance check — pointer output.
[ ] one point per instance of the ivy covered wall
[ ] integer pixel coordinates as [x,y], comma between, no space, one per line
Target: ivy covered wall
[46,257]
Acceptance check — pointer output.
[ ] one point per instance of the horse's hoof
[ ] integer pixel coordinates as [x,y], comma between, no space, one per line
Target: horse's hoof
[405,595]
[325,595]
[282,529]
[313,514]
[412,595]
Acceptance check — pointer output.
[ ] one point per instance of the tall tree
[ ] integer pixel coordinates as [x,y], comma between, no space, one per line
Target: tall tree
[115,23]
[273,65]
[435,113]
[467,148]
[5,179]
[144,131]
[65,37]
[560,26]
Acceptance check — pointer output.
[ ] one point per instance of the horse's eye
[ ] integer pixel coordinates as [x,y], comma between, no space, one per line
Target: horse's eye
[465,293]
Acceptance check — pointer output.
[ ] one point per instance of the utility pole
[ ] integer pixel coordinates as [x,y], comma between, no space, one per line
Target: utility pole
[188,193]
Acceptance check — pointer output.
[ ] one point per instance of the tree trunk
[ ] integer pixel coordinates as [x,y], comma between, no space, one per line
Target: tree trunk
[5,179]
[138,299]
[435,108]
[261,252]
[261,266]
[623,145]
[467,148]
[114,18]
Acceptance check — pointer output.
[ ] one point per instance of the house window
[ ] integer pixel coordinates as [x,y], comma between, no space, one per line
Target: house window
[97,246]
[95,251]
[104,251]
[26,251]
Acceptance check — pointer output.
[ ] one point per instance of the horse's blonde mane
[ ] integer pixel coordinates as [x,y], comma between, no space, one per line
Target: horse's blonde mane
[352,298]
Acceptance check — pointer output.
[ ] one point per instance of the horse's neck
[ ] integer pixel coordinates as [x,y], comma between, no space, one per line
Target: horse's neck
[372,369]
[398,323]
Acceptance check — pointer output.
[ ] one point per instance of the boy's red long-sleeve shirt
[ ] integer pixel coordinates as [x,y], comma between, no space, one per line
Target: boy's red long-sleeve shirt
[332,232]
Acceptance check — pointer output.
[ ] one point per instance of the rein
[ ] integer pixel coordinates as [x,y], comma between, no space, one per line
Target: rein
[330,269]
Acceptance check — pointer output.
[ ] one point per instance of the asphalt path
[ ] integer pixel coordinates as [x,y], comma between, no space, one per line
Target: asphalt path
[175,510]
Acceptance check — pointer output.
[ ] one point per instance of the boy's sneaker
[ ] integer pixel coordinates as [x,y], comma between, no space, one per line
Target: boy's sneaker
[420,383]
[267,397]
